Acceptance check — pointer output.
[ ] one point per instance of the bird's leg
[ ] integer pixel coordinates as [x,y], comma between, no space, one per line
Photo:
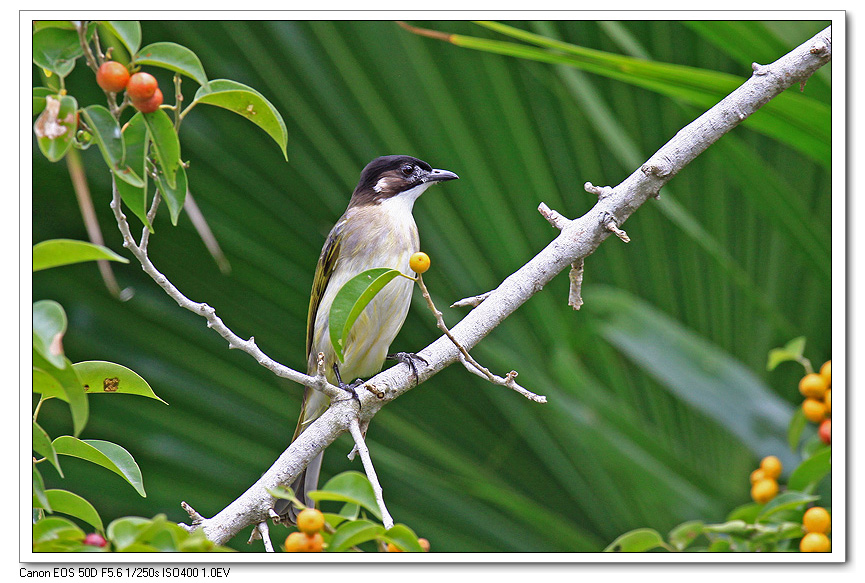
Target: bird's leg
[350,388]
[408,358]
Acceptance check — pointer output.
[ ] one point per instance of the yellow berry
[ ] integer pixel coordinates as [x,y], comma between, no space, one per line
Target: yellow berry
[826,372]
[424,544]
[771,467]
[827,399]
[813,385]
[757,475]
[815,542]
[296,543]
[419,262]
[310,520]
[814,410]
[764,490]
[817,519]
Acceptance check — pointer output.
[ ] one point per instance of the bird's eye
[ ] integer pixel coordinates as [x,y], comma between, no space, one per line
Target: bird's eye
[407,169]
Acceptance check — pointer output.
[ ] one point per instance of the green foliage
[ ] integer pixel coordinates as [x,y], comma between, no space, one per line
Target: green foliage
[57,252]
[737,252]
[350,301]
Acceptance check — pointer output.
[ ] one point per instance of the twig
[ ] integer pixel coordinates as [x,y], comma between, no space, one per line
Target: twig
[360,444]
[261,531]
[575,277]
[209,314]
[472,302]
[470,363]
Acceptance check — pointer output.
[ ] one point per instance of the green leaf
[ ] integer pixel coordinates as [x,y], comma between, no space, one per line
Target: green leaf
[811,471]
[350,301]
[72,504]
[136,144]
[99,376]
[793,350]
[249,103]
[55,528]
[739,527]
[796,427]
[56,252]
[174,57]
[683,535]
[39,95]
[165,143]
[127,31]
[104,453]
[56,49]
[56,126]
[175,195]
[71,389]
[403,537]
[125,531]
[39,489]
[351,487]
[49,326]
[42,446]
[746,512]
[106,132]
[354,533]
[636,541]
[789,500]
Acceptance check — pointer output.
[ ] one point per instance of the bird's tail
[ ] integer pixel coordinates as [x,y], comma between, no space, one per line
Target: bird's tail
[314,404]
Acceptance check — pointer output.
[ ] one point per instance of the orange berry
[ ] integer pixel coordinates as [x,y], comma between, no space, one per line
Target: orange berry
[813,385]
[771,467]
[757,475]
[826,372]
[764,490]
[814,410]
[424,544]
[310,520]
[419,262]
[314,543]
[815,542]
[296,543]
[817,519]
[827,399]
[825,431]
[141,86]
[112,76]
[392,548]
[149,105]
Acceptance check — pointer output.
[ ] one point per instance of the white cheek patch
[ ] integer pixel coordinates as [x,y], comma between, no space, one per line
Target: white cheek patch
[381,184]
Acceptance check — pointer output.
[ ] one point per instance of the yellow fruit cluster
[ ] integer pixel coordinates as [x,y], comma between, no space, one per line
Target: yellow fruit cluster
[817,390]
[816,522]
[764,480]
[308,538]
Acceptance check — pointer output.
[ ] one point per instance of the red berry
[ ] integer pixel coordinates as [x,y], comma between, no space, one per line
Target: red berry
[141,86]
[94,539]
[825,431]
[149,105]
[112,76]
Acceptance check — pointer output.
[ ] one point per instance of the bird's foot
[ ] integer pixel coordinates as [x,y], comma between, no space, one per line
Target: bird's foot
[349,388]
[409,358]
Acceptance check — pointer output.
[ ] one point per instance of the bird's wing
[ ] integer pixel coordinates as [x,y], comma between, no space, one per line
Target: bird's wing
[323,272]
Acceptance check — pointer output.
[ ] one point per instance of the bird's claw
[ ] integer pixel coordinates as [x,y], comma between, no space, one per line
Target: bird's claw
[349,388]
[408,358]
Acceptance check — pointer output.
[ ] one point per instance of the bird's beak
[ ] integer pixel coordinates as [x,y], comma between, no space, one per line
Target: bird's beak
[440,175]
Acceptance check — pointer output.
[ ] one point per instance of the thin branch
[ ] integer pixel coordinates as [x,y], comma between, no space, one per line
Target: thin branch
[360,445]
[470,363]
[261,531]
[209,314]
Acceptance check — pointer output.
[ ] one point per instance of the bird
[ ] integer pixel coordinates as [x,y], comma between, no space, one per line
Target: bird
[376,230]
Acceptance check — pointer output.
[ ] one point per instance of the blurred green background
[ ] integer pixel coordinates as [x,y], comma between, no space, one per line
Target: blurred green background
[659,401]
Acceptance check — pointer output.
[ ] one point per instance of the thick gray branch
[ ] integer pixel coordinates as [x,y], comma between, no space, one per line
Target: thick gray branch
[578,239]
